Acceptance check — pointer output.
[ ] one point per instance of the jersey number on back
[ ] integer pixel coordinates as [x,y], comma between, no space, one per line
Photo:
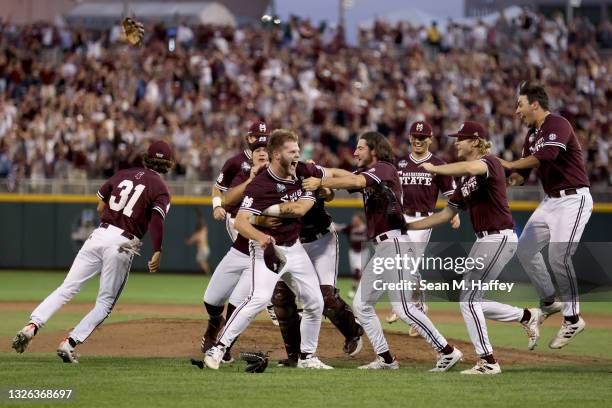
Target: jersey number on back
[121,203]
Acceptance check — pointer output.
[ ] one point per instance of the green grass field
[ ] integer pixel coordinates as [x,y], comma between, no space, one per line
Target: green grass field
[104,381]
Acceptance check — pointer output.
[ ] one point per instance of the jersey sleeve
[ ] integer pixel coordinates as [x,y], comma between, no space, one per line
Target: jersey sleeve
[456,200]
[524,173]
[227,174]
[447,185]
[308,195]
[253,200]
[161,202]
[105,191]
[375,175]
[555,139]
[488,161]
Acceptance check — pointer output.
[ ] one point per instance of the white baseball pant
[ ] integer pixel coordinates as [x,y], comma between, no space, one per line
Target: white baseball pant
[369,292]
[323,254]
[560,223]
[494,251]
[230,281]
[99,254]
[300,276]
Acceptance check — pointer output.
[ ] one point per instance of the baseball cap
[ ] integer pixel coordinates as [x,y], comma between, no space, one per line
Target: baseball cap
[258,128]
[421,128]
[160,150]
[261,141]
[469,128]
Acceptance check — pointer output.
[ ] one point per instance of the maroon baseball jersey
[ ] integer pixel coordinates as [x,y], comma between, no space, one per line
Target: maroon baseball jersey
[485,197]
[241,244]
[421,188]
[317,219]
[234,172]
[382,199]
[131,196]
[267,189]
[557,148]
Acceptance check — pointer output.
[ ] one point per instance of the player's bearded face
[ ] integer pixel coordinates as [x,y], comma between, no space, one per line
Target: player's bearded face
[420,144]
[524,111]
[289,157]
[363,154]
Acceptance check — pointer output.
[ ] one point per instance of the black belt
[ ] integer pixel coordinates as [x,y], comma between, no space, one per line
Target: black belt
[286,243]
[482,234]
[418,213]
[123,233]
[567,191]
[308,238]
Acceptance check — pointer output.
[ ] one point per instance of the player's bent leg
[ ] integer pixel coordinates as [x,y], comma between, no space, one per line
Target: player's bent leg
[341,316]
[286,310]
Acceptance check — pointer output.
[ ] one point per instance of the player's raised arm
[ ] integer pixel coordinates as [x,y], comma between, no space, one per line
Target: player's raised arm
[464,168]
[434,220]
[295,209]
[349,181]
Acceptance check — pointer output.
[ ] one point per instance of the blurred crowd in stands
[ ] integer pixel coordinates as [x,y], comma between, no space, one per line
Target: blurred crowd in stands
[81,104]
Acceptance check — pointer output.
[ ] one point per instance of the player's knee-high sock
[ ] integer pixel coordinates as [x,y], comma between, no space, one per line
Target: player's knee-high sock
[228,314]
[286,311]
[339,313]
[215,324]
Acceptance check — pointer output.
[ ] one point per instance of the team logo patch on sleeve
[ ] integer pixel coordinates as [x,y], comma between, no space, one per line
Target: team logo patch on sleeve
[247,202]
[402,164]
[552,136]
[245,166]
[280,188]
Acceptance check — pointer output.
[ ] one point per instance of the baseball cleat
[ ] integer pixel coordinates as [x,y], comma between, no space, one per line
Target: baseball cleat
[392,318]
[314,363]
[272,315]
[483,368]
[447,361]
[550,310]
[532,327]
[412,332]
[227,358]
[66,352]
[567,332]
[287,362]
[379,364]
[24,337]
[213,357]
[353,347]
[351,293]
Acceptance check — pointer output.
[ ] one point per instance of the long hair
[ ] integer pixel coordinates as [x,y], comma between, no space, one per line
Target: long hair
[159,165]
[379,144]
[484,146]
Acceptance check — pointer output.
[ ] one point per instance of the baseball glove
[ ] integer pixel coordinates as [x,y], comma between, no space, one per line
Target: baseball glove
[133,30]
[257,361]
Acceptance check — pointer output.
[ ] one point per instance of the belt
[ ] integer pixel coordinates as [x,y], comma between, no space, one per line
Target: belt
[308,238]
[123,232]
[482,234]
[418,213]
[562,193]
[286,243]
[387,235]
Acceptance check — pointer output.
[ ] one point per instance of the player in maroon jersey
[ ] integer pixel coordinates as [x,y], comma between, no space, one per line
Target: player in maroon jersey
[421,190]
[131,202]
[357,235]
[382,193]
[482,191]
[559,221]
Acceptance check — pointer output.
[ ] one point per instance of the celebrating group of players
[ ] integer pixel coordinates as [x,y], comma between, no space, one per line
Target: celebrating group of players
[285,247]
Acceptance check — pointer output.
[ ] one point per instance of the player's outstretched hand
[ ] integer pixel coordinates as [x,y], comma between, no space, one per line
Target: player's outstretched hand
[515,179]
[265,241]
[455,222]
[219,214]
[268,222]
[154,262]
[428,167]
[505,163]
[311,184]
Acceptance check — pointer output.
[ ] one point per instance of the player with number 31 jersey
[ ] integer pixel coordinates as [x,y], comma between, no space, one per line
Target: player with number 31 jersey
[132,202]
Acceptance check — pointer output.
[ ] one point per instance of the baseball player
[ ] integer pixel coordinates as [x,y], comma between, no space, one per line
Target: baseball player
[382,192]
[276,253]
[131,201]
[421,191]
[320,241]
[552,147]
[222,211]
[230,280]
[357,235]
[482,191]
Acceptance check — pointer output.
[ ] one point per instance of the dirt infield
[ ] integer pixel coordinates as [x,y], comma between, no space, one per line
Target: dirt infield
[172,337]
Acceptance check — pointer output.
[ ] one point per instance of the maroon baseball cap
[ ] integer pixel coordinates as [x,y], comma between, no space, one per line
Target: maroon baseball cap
[160,150]
[421,128]
[261,141]
[472,129]
[258,128]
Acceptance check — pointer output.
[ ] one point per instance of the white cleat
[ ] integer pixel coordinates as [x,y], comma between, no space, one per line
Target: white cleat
[66,352]
[550,310]
[392,318]
[483,368]
[567,332]
[532,327]
[379,364]
[447,361]
[314,363]
[272,315]
[24,337]
[213,357]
